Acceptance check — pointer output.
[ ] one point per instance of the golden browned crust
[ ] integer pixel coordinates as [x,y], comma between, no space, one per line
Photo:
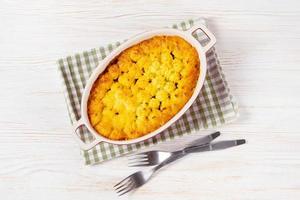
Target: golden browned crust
[143,88]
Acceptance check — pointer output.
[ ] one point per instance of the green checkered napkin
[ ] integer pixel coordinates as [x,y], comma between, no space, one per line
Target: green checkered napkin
[213,107]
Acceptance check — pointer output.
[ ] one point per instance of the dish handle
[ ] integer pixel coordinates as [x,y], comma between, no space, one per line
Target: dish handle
[204,29]
[83,145]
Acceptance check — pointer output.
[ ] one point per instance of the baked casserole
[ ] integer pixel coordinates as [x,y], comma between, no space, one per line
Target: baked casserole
[143,87]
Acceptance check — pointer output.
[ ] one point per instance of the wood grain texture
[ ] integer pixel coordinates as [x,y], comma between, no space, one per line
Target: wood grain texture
[258,45]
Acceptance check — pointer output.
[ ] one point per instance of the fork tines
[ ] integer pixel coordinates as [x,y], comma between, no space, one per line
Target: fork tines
[124,186]
[138,160]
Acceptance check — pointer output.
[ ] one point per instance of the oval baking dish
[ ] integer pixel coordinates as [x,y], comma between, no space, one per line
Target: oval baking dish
[188,37]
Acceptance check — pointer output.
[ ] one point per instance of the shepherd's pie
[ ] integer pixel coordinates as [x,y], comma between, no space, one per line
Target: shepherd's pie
[143,87]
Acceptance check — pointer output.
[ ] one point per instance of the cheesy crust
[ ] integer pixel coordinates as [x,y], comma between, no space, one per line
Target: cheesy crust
[143,87]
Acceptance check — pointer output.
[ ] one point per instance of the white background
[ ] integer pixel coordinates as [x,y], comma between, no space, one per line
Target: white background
[258,45]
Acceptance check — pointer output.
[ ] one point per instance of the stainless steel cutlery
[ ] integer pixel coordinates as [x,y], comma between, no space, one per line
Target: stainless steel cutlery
[160,159]
[151,158]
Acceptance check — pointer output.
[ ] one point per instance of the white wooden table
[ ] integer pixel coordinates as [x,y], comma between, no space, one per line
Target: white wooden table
[258,46]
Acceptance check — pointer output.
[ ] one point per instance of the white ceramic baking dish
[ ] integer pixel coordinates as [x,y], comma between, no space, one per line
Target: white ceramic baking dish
[187,35]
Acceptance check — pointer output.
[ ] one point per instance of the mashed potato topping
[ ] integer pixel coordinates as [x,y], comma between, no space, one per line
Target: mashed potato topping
[143,88]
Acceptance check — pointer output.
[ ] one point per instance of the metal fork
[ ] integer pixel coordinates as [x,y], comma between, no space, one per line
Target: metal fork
[139,178]
[151,158]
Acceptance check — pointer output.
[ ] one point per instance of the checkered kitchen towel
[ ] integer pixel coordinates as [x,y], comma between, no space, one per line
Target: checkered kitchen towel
[213,107]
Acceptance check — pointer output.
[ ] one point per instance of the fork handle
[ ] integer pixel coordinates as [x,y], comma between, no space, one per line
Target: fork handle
[178,154]
[215,146]
[175,156]
[199,148]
